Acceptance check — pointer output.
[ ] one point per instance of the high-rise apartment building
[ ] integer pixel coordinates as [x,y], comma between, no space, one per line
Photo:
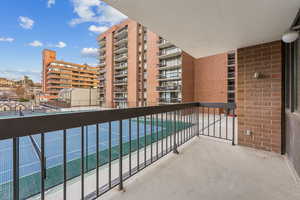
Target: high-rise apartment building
[57,75]
[139,68]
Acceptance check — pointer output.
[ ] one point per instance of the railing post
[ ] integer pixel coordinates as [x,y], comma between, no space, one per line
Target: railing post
[198,121]
[16,168]
[233,126]
[120,155]
[175,150]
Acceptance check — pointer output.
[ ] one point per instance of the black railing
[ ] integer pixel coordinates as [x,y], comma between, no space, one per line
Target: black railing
[98,142]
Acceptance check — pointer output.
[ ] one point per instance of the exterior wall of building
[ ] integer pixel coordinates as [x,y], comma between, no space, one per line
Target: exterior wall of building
[259,103]
[58,75]
[109,60]
[132,84]
[152,68]
[188,82]
[80,97]
[211,79]
[48,57]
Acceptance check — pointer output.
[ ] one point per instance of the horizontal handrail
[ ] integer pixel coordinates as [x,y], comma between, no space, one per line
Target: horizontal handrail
[19,126]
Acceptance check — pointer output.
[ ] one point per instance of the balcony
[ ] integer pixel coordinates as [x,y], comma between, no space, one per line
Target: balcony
[121,49]
[164,44]
[120,66]
[120,82]
[157,144]
[120,42]
[169,54]
[66,133]
[121,57]
[102,56]
[120,99]
[102,71]
[121,33]
[169,100]
[169,77]
[102,64]
[121,74]
[168,67]
[168,88]
[120,90]
[102,78]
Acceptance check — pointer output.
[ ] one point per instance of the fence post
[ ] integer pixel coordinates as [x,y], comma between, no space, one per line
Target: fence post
[198,120]
[175,150]
[121,155]
[233,126]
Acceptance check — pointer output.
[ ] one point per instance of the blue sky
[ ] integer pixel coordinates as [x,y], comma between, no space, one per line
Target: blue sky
[68,26]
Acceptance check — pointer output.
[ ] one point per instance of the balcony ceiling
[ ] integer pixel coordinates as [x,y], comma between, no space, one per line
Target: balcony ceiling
[207,27]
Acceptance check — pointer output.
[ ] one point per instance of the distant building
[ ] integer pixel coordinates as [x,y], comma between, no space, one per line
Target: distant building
[58,75]
[139,68]
[75,97]
[4,82]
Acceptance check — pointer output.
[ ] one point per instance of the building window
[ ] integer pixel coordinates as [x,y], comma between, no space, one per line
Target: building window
[297,78]
[287,75]
[292,76]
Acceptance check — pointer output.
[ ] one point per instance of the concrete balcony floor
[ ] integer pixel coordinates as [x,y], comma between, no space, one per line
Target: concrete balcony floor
[212,170]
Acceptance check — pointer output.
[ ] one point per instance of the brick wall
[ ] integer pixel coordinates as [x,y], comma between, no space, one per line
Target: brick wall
[211,79]
[188,69]
[259,100]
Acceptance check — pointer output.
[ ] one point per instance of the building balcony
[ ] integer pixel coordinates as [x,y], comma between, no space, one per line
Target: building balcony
[120,99]
[170,54]
[102,78]
[102,56]
[121,33]
[121,57]
[102,50]
[102,43]
[120,67]
[164,44]
[102,64]
[121,49]
[169,77]
[168,67]
[102,71]
[168,88]
[121,42]
[169,100]
[120,82]
[140,169]
[121,74]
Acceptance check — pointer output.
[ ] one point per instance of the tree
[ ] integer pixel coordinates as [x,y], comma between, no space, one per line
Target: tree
[20,91]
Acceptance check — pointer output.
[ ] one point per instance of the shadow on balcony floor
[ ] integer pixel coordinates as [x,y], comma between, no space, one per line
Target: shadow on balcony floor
[211,170]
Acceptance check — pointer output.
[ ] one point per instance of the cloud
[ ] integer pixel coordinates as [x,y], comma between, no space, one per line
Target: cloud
[26,22]
[61,45]
[98,29]
[95,11]
[20,73]
[8,39]
[50,3]
[36,43]
[89,52]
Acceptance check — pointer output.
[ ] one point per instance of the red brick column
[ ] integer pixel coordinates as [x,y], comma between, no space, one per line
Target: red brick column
[259,101]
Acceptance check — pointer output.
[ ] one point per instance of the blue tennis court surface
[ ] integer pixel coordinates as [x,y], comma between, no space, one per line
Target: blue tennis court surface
[29,168]
[30,163]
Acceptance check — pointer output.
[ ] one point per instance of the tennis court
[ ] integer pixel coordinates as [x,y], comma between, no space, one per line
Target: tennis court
[30,164]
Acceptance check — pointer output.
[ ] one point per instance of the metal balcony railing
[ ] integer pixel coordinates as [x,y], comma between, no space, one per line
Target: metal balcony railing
[166,88]
[74,148]
[169,100]
[170,76]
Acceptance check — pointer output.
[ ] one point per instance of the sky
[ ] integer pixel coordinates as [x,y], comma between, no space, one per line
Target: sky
[69,27]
